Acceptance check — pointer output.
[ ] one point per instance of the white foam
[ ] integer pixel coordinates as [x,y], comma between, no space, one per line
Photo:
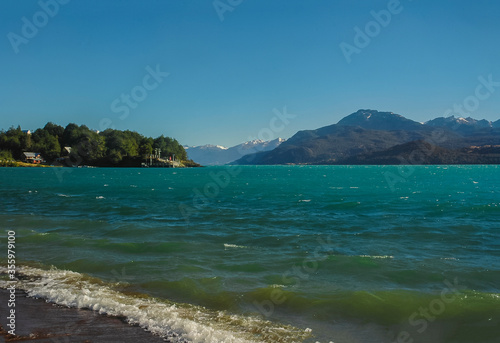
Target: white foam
[176,322]
[278,286]
[381,256]
[234,246]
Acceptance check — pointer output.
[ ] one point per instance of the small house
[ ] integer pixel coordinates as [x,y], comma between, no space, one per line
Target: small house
[32,157]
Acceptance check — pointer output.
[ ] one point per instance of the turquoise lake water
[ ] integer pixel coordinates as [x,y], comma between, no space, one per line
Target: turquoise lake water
[267,253]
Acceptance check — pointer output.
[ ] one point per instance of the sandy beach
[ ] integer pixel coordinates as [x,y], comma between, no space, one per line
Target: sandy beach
[37,320]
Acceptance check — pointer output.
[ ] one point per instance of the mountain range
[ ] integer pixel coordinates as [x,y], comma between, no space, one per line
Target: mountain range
[373,137]
[220,155]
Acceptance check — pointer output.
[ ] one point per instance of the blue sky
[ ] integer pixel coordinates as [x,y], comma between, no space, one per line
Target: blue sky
[225,77]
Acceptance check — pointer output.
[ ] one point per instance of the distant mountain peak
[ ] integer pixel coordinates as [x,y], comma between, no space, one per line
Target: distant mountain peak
[460,123]
[206,147]
[374,137]
[375,120]
[218,155]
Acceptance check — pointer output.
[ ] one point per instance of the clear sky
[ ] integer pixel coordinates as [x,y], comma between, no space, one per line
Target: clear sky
[72,63]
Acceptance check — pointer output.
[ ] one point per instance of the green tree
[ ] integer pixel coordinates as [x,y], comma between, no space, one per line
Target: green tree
[46,144]
[170,147]
[70,135]
[87,146]
[115,156]
[15,141]
[54,130]
[5,155]
[121,145]
[145,149]
[110,147]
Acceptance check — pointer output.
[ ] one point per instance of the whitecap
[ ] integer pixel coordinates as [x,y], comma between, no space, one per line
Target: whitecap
[234,246]
[377,256]
[173,321]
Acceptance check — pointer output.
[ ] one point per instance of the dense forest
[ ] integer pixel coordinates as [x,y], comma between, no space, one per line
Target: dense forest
[106,148]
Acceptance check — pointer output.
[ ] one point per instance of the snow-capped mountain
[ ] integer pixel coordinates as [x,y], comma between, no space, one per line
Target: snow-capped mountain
[218,155]
[375,120]
[460,124]
[373,137]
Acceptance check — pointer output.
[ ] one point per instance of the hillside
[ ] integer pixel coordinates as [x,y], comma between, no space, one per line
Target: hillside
[422,152]
[365,134]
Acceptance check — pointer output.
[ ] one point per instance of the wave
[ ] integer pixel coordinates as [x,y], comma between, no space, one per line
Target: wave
[390,307]
[450,304]
[173,321]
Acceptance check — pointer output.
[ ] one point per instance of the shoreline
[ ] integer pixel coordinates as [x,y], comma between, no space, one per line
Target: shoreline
[45,322]
[16,164]
[40,321]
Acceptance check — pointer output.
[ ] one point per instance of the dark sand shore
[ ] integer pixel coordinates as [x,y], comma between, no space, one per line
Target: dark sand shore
[39,321]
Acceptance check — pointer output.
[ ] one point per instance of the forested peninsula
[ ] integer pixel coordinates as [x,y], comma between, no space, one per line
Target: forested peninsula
[76,145]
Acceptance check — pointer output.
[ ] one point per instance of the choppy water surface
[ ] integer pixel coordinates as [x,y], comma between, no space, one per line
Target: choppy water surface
[266,254]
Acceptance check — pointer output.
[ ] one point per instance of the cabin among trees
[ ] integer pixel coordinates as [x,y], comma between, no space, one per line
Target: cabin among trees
[32,157]
[78,145]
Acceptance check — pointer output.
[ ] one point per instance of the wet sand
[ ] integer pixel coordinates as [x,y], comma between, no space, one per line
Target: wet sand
[39,321]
